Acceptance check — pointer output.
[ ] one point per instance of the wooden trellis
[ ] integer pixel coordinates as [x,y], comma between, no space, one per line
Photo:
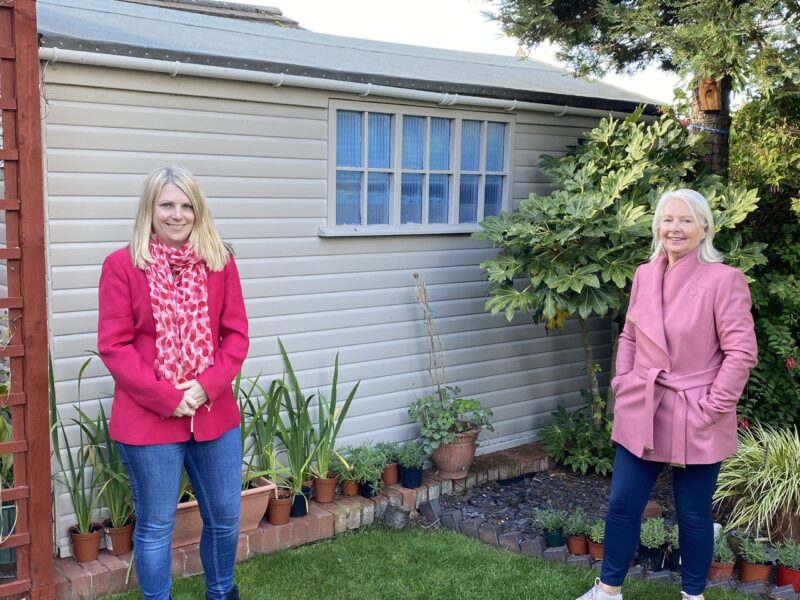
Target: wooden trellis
[25,342]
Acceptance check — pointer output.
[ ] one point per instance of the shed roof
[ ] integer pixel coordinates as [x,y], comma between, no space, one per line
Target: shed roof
[127,29]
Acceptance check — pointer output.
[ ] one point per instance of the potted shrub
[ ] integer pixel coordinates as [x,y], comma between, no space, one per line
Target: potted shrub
[368,463]
[577,529]
[411,458]
[597,534]
[391,472]
[449,427]
[760,482]
[329,421]
[722,560]
[552,523]
[789,564]
[652,538]
[756,562]
[673,555]
[343,469]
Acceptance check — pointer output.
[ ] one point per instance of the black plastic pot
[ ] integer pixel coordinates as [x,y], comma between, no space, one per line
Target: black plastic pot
[553,539]
[651,559]
[8,556]
[366,490]
[410,477]
[673,560]
[300,503]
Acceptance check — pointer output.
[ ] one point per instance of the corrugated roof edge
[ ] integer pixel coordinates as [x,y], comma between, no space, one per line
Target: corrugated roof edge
[69,43]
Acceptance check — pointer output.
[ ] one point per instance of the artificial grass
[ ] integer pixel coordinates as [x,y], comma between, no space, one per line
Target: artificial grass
[383,564]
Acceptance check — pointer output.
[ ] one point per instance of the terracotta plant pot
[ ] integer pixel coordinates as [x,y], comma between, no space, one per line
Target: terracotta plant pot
[454,460]
[85,546]
[577,545]
[280,504]
[120,539]
[254,502]
[787,576]
[720,570]
[324,489]
[750,572]
[595,550]
[391,474]
[349,487]
[188,524]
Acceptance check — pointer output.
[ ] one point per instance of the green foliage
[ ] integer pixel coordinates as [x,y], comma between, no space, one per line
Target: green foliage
[597,533]
[753,41]
[367,463]
[390,451]
[765,151]
[653,533]
[260,410]
[789,554]
[445,413]
[722,549]
[673,539]
[577,440]
[762,480]
[577,523]
[7,458]
[754,551]
[411,455]
[550,519]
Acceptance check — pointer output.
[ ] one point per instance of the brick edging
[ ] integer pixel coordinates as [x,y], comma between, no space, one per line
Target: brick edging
[106,576]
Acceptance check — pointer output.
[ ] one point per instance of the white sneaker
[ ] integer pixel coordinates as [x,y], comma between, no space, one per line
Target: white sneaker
[685,596]
[596,593]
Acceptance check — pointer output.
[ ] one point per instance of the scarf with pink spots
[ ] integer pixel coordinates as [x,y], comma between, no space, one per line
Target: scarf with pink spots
[179,298]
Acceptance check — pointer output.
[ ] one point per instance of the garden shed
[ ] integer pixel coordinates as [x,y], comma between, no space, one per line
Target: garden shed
[337,168]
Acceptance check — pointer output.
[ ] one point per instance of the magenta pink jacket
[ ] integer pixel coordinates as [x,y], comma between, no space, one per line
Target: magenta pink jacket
[684,357]
[126,341]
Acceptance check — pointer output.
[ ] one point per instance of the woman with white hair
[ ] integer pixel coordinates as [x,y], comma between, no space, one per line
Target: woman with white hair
[684,357]
[172,331]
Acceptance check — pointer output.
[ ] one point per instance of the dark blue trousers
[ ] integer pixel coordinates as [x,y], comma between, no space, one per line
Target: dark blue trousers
[631,485]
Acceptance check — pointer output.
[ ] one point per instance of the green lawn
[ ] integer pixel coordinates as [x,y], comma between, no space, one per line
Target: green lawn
[382,564]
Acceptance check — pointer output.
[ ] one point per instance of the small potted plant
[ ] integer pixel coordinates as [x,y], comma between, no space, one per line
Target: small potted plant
[449,427]
[345,473]
[391,472]
[597,534]
[756,562]
[552,523]
[652,539]
[723,559]
[673,556]
[368,464]
[411,458]
[789,564]
[577,529]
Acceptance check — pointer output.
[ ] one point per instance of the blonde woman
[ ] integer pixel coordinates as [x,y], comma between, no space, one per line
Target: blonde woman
[172,331]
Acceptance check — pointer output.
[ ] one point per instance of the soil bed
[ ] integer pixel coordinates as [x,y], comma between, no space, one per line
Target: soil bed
[509,504]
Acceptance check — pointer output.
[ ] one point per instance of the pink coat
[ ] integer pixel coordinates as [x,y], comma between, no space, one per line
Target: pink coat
[126,341]
[684,357]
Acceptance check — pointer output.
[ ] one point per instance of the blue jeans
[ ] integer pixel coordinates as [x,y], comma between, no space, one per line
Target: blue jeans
[631,484]
[215,470]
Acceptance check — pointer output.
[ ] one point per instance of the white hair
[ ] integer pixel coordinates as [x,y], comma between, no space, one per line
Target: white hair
[702,214]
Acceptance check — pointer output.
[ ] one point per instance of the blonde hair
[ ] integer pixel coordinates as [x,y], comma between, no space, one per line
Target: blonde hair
[702,216]
[204,238]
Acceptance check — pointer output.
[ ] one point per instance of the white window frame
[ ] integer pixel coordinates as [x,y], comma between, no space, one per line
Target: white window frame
[456,116]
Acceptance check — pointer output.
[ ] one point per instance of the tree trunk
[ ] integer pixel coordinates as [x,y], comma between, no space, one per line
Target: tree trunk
[715,125]
[594,387]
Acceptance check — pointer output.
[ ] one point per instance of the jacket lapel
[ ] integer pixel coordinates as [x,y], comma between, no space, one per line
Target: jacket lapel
[648,314]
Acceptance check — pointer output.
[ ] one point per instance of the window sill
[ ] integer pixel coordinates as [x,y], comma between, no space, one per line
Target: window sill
[389,230]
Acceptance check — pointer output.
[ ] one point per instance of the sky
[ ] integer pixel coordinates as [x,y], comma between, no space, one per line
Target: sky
[450,24]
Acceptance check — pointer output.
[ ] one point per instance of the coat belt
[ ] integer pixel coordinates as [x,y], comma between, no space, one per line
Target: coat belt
[678,384]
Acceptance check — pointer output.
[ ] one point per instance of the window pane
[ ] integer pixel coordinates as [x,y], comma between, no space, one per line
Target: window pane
[493,195]
[495,146]
[440,144]
[413,141]
[348,138]
[379,140]
[468,199]
[348,198]
[470,145]
[438,193]
[411,198]
[378,199]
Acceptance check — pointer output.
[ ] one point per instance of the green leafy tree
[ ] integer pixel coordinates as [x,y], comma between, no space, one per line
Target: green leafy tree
[575,251]
[742,44]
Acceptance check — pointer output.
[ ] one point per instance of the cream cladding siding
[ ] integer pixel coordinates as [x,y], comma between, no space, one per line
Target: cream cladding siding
[260,153]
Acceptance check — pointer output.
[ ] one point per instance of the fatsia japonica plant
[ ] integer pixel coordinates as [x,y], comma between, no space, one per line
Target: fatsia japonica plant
[574,251]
